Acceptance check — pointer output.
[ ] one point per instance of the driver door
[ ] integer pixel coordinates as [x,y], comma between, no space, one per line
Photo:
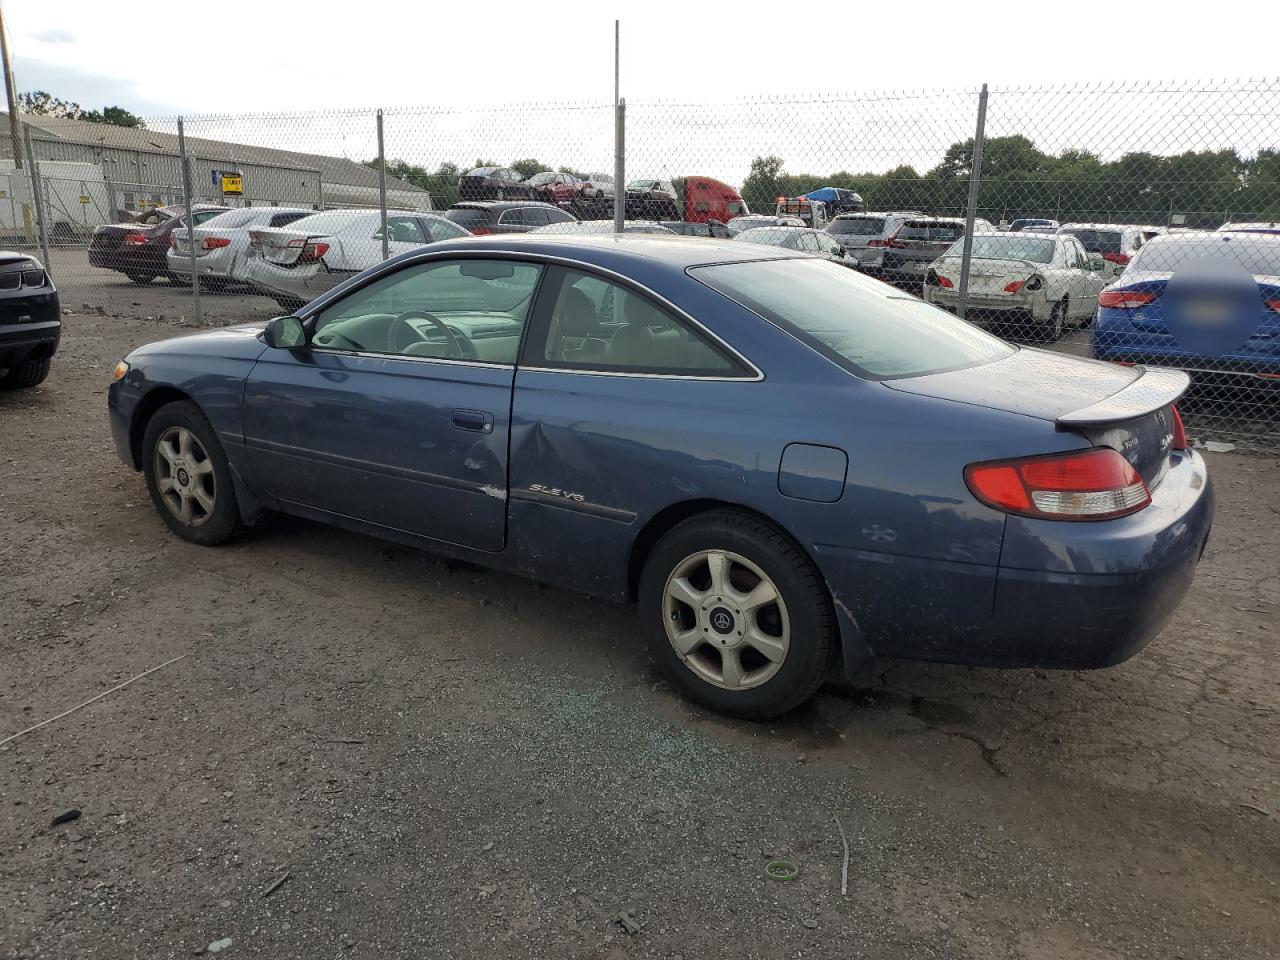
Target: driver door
[396,411]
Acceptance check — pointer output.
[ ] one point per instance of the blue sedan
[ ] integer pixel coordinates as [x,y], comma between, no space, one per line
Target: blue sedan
[786,464]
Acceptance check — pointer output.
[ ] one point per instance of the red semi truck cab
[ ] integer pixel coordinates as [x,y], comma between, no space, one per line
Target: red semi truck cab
[700,199]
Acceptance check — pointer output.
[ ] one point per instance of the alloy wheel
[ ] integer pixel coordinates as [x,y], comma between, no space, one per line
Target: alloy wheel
[726,619]
[184,476]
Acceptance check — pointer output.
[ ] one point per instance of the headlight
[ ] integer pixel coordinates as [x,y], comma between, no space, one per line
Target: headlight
[121,369]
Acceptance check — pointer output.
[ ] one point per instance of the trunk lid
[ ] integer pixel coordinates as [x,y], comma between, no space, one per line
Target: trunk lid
[987,276]
[284,246]
[1125,408]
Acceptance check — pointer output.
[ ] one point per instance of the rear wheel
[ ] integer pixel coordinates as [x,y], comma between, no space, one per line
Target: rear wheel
[737,615]
[188,476]
[30,373]
[1056,325]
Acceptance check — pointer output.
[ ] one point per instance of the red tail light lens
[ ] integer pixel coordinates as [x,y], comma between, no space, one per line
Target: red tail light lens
[1094,484]
[1125,299]
[312,250]
[1014,287]
[137,239]
[1274,305]
[215,243]
[1120,258]
[1179,441]
[945,282]
[877,243]
[480,231]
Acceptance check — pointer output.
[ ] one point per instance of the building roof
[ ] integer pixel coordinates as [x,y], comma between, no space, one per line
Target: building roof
[333,170]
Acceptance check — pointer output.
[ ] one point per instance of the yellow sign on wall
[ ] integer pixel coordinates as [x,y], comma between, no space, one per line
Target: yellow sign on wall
[232,185]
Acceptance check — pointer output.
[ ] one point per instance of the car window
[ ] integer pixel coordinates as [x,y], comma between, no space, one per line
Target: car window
[856,227]
[1007,247]
[468,217]
[452,309]
[401,230]
[927,230]
[439,229]
[202,216]
[809,242]
[599,325]
[860,323]
[229,219]
[284,219]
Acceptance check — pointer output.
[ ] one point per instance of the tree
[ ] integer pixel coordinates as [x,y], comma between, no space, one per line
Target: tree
[41,103]
[527,168]
[761,185]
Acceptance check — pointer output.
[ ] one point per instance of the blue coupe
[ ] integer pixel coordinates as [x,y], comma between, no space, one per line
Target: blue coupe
[787,465]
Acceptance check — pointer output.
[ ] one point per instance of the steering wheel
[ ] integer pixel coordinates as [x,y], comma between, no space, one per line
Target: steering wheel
[397,342]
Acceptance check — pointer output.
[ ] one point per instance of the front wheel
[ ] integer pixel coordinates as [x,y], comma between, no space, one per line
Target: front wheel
[188,475]
[737,615]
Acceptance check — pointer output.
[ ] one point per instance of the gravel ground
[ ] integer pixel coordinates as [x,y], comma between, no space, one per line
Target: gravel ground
[445,762]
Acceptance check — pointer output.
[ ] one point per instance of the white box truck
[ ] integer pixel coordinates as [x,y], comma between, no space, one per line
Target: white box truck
[75,198]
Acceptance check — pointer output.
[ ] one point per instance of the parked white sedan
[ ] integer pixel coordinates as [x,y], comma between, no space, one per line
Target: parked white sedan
[297,263]
[1046,279]
[222,242]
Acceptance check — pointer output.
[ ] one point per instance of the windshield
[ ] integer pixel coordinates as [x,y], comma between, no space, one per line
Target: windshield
[773,236]
[1096,241]
[859,227]
[538,179]
[1259,254]
[930,230]
[866,326]
[468,217]
[1005,247]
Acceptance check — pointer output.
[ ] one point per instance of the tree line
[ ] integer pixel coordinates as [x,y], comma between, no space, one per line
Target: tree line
[1204,187]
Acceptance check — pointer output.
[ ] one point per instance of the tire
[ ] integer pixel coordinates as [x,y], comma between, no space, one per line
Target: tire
[799,625]
[207,513]
[30,373]
[141,278]
[501,194]
[1057,322]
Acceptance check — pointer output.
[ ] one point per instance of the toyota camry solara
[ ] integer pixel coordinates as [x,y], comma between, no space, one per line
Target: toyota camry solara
[786,464]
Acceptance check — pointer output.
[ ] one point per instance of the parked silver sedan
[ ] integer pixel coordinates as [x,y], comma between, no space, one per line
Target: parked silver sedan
[804,239]
[222,242]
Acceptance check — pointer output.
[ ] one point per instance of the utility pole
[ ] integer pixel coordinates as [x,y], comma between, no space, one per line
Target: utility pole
[619,136]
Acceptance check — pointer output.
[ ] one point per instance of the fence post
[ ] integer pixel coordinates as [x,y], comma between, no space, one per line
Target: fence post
[382,190]
[191,220]
[975,177]
[619,165]
[37,197]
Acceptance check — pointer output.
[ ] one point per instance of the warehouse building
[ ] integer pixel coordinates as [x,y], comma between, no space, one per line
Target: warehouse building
[111,170]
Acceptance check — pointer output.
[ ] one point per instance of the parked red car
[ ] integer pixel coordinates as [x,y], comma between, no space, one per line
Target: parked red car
[137,247]
[562,189]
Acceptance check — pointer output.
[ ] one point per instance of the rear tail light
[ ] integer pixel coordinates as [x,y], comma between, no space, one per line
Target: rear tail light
[480,231]
[137,239]
[1179,439]
[877,243]
[1274,305]
[215,243]
[1015,286]
[1120,258]
[1125,299]
[1094,484]
[313,251]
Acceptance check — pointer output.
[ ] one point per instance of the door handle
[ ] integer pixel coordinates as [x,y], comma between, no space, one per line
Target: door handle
[476,421]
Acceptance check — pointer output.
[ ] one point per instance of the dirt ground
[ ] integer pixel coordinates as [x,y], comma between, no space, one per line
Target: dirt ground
[443,762]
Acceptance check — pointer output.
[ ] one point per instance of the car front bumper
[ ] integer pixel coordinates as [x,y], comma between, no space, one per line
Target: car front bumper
[30,327]
[1066,595]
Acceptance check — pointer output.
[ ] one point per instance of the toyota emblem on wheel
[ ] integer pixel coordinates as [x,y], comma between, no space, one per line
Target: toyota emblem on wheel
[722,621]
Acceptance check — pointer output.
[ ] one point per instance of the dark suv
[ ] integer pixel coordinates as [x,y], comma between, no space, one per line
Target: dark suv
[30,324]
[511,216]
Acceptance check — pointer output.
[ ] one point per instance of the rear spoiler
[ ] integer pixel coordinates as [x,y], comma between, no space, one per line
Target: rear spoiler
[1154,388]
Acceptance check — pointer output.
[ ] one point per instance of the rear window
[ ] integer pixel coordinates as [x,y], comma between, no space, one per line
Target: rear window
[864,325]
[468,217]
[860,227]
[1098,241]
[1016,247]
[284,219]
[234,218]
[926,230]
[1258,254]
[329,221]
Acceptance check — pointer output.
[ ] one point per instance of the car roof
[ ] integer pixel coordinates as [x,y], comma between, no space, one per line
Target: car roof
[1098,226]
[604,250]
[499,204]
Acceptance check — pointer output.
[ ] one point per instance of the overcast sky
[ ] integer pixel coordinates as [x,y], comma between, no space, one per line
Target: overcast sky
[466,68]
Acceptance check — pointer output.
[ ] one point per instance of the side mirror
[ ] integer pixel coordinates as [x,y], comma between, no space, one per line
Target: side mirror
[285,333]
[837,250]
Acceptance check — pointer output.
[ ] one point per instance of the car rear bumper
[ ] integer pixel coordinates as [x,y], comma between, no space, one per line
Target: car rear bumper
[1066,595]
[34,339]
[305,283]
[131,259]
[217,263]
[1118,346]
[999,306]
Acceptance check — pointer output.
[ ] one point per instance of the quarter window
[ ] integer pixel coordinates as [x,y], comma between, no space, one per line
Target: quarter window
[599,325]
[451,310]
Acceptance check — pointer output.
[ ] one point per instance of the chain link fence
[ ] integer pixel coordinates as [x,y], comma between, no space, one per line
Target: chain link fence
[1086,219]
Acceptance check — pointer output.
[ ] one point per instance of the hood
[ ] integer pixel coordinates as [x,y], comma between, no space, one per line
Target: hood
[231,343]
